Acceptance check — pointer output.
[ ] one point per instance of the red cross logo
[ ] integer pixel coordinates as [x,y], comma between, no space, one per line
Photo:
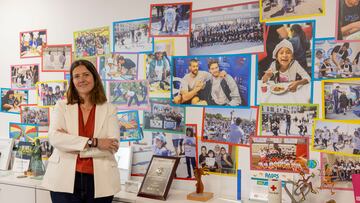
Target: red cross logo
[273,187]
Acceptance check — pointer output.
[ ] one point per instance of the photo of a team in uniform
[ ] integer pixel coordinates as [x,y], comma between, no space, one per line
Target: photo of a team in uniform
[24,76]
[56,58]
[32,114]
[31,43]
[49,92]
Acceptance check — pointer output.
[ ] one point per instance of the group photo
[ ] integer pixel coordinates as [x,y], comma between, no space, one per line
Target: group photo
[337,137]
[341,99]
[279,154]
[93,42]
[230,29]
[230,126]
[31,43]
[118,66]
[170,19]
[287,120]
[24,76]
[12,99]
[132,36]
[163,117]
[49,92]
[284,70]
[334,60]
[211,81]
[32,114]
[56,58]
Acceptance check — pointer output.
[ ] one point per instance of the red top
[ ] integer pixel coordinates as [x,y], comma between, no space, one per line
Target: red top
[85,165]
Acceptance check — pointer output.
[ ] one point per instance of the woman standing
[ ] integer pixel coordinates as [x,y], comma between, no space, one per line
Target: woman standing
[84,132]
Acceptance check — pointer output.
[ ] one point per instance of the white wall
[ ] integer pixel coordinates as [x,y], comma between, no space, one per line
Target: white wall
[62,18]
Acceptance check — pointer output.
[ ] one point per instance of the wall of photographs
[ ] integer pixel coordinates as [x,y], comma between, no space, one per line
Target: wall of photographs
[154,61]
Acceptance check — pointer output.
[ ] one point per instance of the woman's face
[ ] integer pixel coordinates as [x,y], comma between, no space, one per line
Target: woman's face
[11,96]
[211,155]
[222,151]
[83,80]
[284,56]
[203,150]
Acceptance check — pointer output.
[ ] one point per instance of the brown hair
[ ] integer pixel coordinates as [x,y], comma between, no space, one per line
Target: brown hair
[97,94]
[212,61]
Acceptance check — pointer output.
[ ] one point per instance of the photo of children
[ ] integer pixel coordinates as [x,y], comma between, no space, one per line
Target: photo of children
[287,119]
[132,36]
[92,42]
[218,158]
[170,19]
[49,92]
[337,171]
[129,126]
[129,94]
[337,137]
[284,71]
[279,154]
[229,125]
[336,59]
[24,76]
[348,20]
[341,99]
[226,78]
[165,144]
[56,58]
[32,114]
[163,117]
[118,66]
[232,29]
[31,43]
[12,99]
[280,9]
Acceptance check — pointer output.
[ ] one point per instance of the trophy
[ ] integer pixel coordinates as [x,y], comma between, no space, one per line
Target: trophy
[200,195]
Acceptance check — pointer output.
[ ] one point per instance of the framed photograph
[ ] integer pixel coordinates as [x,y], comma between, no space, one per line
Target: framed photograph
[288,10]
[132,36]
[347,20]
[288,119]
[231,29]
[158,177]
[31,43]
[163,117]
[337,170]
[170,20]
[335,60]
[129,94]
[229,125]
[284,70]
[49,92]
[56,58]
[220,159]
[158,67]
[338,137]
[118,66]
[129,126]
[341,99]
[92,42]
[222,80]
[288,154]
[33,114]
[12,99]
[24,76]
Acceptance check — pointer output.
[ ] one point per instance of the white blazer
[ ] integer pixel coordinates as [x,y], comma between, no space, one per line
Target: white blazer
[60,173]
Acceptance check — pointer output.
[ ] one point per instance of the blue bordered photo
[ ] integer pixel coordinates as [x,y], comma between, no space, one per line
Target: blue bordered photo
[129,126]
[12,99]
[219,80]
[132,36]
[284,71]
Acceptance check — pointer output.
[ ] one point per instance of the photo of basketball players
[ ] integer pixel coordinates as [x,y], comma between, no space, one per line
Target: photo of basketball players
[341,99]
[163,117]
[118,66]
[31,43]
[348,20]
[32,114]
[49,92]
[337,137]
[279,154]
[24,76]
[170,19]
[287,119]
[336,59]
[93,42]
[129,126]
[12,99]
[229,125]
[230,29]
[129,94]
[56,58]
[132,36]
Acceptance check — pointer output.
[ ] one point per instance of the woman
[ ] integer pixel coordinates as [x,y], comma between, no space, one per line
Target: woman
[300,44]
[84,132]
[8,101]
[226,161]
[190,150]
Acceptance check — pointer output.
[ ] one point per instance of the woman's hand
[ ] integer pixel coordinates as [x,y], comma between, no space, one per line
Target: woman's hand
[110,144]
[293,86]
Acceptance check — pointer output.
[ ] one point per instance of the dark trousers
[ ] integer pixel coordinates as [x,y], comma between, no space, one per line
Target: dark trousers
[83,192]
[188,160]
